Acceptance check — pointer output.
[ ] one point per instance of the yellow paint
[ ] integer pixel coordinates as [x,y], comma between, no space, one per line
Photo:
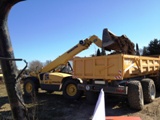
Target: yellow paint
[54,78]
[71,89]
[29,87]
[113,67]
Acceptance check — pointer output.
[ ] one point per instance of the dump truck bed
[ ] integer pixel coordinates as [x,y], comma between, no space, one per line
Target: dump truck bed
[115,67]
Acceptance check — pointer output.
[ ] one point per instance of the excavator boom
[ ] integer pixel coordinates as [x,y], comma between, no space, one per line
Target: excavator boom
[64,58]
[109,42]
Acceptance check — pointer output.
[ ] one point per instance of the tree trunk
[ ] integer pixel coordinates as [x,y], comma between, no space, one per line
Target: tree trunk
[9,68]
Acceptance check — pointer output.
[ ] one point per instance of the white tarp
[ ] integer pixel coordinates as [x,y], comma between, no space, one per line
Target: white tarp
[99,111]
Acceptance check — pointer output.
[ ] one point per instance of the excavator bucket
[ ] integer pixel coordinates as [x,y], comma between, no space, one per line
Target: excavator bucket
[120,44]
[109,41]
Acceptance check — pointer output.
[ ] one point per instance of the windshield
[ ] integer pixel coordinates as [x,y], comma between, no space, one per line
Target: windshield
[67,68]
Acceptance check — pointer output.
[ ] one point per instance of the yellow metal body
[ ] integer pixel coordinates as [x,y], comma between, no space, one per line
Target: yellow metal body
[54,78]
[29,87]
[115,67]
[71,89]
[49,74]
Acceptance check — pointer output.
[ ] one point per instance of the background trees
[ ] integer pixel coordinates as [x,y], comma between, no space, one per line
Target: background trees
[153,48]
[36,65]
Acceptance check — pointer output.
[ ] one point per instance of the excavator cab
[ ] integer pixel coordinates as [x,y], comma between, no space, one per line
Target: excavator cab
[64,68]
[67,68]
[120,44]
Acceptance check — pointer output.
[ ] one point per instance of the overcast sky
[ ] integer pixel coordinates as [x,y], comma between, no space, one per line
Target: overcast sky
[44,29]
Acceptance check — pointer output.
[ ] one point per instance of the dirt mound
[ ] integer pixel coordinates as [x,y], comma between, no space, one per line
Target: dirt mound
[126,46]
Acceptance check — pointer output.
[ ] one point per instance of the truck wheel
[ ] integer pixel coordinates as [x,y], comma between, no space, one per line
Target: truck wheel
[30,88]
[149,90]
[135,95]
[157,83]
[92,97]
[70,90]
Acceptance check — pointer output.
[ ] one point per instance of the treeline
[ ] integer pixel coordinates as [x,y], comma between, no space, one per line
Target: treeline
[153,48]
[35,66]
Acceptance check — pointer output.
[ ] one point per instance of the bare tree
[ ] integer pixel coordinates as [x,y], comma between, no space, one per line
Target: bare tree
[35,66]
[8,64]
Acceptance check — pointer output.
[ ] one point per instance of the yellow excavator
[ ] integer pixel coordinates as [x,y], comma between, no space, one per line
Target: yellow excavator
[56,76]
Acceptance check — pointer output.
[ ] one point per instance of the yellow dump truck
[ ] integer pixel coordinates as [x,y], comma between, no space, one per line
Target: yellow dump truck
[132,76]
[115,67]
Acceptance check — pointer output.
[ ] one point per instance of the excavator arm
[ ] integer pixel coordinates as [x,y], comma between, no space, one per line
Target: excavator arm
[120,44]
[64,58]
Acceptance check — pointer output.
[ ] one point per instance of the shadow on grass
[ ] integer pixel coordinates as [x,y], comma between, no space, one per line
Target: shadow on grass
[5,112]
[117,106]
[3,100]
[55,107]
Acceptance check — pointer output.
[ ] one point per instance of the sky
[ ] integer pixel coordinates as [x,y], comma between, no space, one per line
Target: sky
[44,29]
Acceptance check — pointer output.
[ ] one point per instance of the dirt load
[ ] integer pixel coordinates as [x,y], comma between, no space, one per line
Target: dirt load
[55,107]
[120,44]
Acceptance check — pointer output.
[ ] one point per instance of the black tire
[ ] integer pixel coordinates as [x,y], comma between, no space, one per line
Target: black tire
[149,90]
[135,95]
[157,83]
[30,88]
[70,90]
[92,97]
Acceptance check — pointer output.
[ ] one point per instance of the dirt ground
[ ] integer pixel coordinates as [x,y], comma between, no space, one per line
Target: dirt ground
[55,107]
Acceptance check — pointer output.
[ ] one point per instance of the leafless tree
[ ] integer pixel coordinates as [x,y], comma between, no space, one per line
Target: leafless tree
[35,66]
